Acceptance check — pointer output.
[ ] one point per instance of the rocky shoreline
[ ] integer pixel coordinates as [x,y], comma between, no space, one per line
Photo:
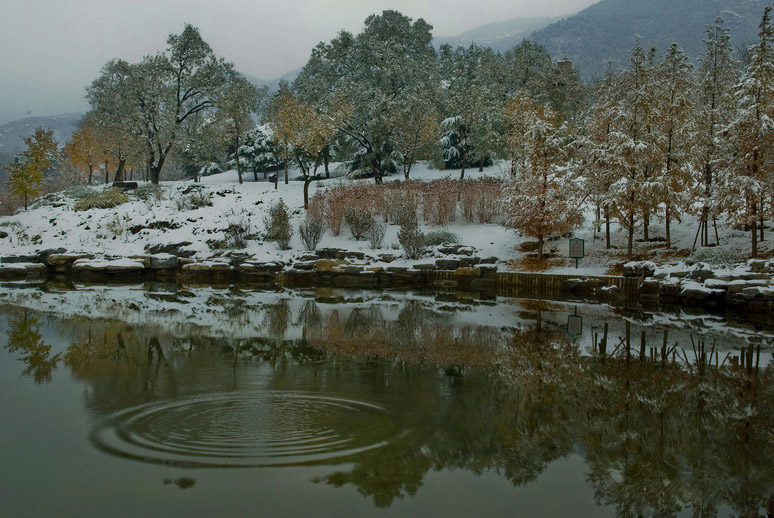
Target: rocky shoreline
[749,289]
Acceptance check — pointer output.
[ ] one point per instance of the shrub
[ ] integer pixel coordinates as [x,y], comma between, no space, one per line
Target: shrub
[79,192]
[148,191]
[441,237]
[359,220]
[311,232]
[410,237]
[197,199]
[102,200]
[117,225]
[376,234]
[278,228]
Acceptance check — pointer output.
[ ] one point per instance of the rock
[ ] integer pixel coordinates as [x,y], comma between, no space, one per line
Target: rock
[126,186]
[17,271]
[692,292]
[397,269]
[467,272]
[469,261]
[3,235]
[353,255]
[488,272]
[352,270]
[164,262]
[327,265]
[116,266]
[15,259]
[307,257]
[387,258]
[175,249]
[329,253]
[305,266]
[700,275]
[489,260]
[424,266]
[457,250]
[639,269]
[447,264]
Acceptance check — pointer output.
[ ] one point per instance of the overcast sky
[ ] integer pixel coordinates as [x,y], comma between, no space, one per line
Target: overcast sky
[61,44]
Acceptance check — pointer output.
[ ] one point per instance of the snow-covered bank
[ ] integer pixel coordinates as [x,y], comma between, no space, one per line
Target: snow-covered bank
[174,219]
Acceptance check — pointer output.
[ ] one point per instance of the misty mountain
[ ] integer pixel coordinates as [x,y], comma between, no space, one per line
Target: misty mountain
[27,97]
[606,31]
[500,36]
[273,84]
[12,133]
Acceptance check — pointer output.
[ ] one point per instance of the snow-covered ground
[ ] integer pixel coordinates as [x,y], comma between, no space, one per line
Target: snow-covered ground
[125,230]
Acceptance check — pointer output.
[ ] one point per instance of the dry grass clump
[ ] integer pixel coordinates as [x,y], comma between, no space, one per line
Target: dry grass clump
[439,201]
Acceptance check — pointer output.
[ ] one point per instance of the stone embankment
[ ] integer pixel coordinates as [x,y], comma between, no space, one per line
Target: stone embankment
[746,288]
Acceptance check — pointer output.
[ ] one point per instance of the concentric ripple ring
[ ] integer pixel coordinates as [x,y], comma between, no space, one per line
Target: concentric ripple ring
[246,429]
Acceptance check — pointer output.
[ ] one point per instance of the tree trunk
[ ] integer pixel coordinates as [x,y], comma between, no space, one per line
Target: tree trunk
[376,167]
[761,227]
[326,159]
[645,225]
[607,227]
[119,176]
[480,165]
[91,173]
[307,181]
[540,248]
[239,166]
[255,175]
[630,243]
[107,179]
[668,217]
[286,171]
[754,233]
[462,172]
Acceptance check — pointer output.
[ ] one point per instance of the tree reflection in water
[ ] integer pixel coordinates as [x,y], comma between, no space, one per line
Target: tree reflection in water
[659,431]
[24,337]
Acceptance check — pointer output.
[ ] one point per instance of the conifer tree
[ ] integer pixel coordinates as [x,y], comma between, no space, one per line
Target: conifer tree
[674,130]
[751,139]
[717,76]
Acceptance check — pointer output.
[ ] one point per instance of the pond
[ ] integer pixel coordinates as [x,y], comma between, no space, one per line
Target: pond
[168,400]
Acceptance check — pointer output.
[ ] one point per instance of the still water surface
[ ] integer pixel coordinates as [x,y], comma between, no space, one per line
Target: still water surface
[156,400]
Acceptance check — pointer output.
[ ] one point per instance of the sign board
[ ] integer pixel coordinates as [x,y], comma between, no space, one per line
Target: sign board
[577,248]
[574,325]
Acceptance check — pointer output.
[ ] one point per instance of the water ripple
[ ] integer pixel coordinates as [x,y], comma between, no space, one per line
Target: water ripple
[246,429]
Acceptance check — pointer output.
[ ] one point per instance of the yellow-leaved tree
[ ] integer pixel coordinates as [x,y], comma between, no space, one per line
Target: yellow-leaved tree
[542,198]
[26,172]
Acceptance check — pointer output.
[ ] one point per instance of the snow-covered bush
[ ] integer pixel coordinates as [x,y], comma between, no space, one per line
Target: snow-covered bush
[441,237]
[118,226]
[102,200]
[376,234]
[359,220]
[278,228]
[78,192]
[149,191]
[197,199]
[311,232]
[716,256]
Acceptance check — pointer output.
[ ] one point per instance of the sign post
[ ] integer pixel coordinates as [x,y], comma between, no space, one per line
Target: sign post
[577,249]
